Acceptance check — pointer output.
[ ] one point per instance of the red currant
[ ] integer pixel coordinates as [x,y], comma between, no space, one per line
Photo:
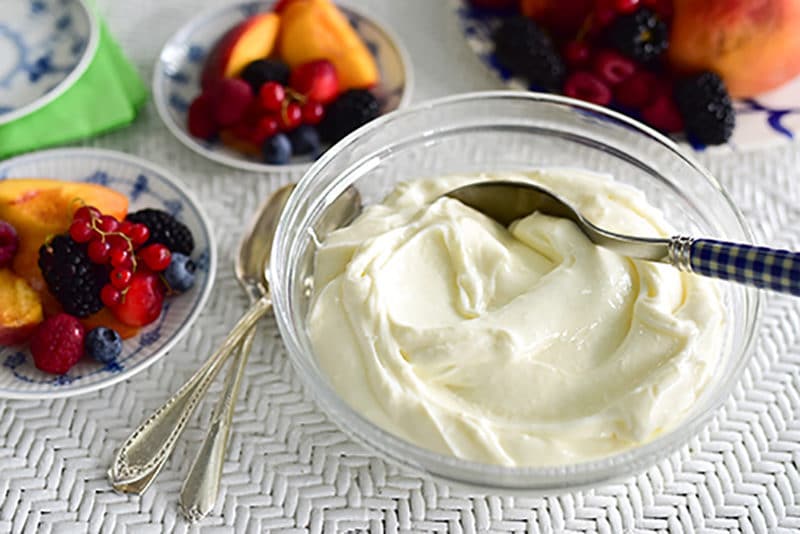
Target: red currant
[107,224]
[86,213]
[81,231]
[291,116]
[125,228]
[120,278]
[110,295]
[156,257]
[586,86]
[577,53]
[312,112]
[139,234]
[266,127]
[120,257]
[626,6]
[98,251]
[271,95]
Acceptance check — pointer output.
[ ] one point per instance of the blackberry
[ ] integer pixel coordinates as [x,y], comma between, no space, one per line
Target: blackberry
[261,71]
[641,35]
[71,276]
[706,108]
[164,229]
[353,108]
[525,49]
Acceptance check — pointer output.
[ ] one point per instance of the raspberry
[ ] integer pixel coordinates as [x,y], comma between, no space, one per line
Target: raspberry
[586,86]
[230,99]
[71,276]
[199,119]
[612,67]
[526,50]
[663,115]
[57,344]
[638,90]
[9,243]
[706,108]
[351,110]
[163,228]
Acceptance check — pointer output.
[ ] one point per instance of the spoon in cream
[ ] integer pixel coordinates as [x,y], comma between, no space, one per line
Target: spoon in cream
[776,269]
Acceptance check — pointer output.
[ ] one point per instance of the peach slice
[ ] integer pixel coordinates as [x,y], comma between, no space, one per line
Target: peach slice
[20,309]
[41,208]
[316,29]
[753,44]
[250,40]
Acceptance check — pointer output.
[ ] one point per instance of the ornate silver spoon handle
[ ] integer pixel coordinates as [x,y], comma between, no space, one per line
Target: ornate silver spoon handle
[143,454]
[200,489]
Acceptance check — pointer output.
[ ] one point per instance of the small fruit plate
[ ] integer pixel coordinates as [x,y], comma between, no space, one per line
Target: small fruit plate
[45,46]
[146,186]
[770,119]
[179,72]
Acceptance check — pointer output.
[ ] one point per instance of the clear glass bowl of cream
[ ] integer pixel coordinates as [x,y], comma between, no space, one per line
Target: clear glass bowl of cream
[499,132]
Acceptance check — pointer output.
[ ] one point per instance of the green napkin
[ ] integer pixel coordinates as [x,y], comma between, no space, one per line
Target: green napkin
[107,96]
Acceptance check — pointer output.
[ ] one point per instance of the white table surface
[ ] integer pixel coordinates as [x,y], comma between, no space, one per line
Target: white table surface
[290,469]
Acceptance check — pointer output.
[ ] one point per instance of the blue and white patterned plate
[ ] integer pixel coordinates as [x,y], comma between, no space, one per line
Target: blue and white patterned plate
[176,80]
[146,186]
[45,46]
[770,119]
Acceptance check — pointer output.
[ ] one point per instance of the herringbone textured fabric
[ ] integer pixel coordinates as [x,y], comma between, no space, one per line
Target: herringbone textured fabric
[291,470]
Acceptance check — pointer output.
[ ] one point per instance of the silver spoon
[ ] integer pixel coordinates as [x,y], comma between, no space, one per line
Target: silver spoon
[143,454]
[776,269]
[200,489]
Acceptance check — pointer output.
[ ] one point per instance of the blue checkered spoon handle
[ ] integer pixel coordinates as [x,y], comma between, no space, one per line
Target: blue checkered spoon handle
[763,267]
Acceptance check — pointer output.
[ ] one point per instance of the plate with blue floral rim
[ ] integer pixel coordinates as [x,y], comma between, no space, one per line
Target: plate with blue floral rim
[147,186]
[770,119]
[176,79]
[45,46]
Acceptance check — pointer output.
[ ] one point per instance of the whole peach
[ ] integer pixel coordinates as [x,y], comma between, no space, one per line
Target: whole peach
[753,44]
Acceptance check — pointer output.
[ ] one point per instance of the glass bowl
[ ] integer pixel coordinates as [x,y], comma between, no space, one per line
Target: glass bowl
[506,131]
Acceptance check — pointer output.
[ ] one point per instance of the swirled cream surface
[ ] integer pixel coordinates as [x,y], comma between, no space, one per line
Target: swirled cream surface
[526,345]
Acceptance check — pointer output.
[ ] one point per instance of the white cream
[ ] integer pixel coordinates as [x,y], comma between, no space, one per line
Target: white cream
[520,346]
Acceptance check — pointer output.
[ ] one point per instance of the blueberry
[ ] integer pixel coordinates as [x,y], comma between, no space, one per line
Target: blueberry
[305,140]
[277,149]
[180,273]
[103,344]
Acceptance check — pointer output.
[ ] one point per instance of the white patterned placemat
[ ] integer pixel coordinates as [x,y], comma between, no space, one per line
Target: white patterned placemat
[291,470]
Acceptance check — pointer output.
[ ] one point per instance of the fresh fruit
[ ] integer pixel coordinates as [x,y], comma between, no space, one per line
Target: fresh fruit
[586,86]
[316,80]
[641,35]
[626,6]
[248,41]
[57,344]
[305,140]
[230,100]
[41,208]
[164,229]
[493,4]
[291,117]
[200,117]
[277,150]
[316,29]
[103,344]
[110,295]
[120,278]
[71,276]
[106,319]
[142,302]
[180,273]
[706,108]
[261,71]
[156,257]
[754,45]
[562,17]
[266,127]
[9,243]
[577,53]
[637,91]
[20,309]
[612,68]
[233,140]
[139,233]
[526,50]
[352,109]
[81,231]
[271,96]
[98,251]
[312,112]
[662,114]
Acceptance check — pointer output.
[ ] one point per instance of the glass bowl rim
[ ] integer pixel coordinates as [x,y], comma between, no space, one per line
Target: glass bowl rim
[567,477]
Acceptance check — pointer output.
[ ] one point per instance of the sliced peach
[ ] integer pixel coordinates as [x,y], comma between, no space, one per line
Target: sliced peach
[20,309]
[317,29]
[41,208]
[250,40]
